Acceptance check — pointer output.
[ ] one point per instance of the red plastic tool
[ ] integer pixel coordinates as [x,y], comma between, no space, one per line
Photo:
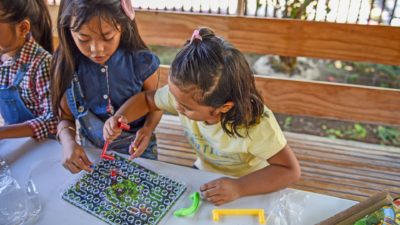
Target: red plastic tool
[104,155]
[124,126]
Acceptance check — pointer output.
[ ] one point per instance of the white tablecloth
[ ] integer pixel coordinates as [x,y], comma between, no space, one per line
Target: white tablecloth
[42,162]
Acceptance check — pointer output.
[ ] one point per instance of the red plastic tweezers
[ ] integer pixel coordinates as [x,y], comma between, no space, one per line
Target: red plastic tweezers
[104,155]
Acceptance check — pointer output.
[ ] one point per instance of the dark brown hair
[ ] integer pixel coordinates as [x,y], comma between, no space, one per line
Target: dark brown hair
[219,73]
[36,11]
[72,15]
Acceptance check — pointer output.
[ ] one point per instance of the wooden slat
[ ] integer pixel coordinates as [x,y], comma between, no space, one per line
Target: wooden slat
[350,158]
[320,99]
[344,169]
[340,188]
[351,170]
[175,141]
[347,102]
[177,161]
[174,153]
[349,176]
[171,134]
[378,44]
[326,143]
[353,151]
[162,144]
[337,190]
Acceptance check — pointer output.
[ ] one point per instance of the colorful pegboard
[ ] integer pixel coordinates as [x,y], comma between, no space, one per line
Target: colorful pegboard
[122,192]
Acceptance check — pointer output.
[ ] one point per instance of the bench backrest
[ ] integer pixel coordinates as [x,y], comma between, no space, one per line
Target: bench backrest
[286,37]
[377,44]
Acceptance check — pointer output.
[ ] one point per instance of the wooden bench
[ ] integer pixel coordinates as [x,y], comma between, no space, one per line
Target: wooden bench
[340,168]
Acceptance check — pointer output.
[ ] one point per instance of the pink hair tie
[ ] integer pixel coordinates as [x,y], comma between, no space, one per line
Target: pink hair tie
[126,6]
[196,35]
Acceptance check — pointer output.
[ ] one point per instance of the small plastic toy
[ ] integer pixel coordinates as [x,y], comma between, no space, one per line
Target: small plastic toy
[113,175]
[104,155]
[183,212]
[134,196]
[113,172]
[258,212]
[124,126]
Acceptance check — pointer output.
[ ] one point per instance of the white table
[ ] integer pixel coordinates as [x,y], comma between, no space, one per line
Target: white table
[42,161]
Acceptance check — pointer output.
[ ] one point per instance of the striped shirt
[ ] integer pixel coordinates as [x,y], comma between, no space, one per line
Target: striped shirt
[35,86]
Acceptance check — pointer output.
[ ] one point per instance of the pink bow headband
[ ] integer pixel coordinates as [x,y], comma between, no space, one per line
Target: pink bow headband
[126,6]
[195,35]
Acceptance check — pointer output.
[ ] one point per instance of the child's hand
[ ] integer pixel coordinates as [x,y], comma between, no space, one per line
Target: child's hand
[221,191]
[111,130]
[75,159]
[139,145]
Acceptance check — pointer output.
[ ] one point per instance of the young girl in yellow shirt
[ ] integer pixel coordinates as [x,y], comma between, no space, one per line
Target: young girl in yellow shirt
[211,88]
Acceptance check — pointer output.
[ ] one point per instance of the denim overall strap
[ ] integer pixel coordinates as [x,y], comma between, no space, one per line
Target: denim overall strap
[92,126]
[12,107]
[75,98]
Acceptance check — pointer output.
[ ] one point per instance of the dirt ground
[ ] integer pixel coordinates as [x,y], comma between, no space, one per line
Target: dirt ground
[368,133]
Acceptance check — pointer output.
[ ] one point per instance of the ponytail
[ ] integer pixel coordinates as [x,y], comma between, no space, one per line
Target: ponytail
[217,72]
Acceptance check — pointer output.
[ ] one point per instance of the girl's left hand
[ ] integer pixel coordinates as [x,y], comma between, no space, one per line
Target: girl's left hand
[221,191]
[139,145]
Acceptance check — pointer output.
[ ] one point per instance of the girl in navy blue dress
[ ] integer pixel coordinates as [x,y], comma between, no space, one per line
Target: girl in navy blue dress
[101,61]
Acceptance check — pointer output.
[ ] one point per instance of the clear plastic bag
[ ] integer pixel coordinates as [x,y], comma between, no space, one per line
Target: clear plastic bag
[286,207]
[17,205]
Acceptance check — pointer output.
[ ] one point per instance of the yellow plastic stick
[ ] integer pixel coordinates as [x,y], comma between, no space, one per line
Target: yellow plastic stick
[257,212]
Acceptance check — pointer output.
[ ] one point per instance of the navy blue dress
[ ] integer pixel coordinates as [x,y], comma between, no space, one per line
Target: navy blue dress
[94,85]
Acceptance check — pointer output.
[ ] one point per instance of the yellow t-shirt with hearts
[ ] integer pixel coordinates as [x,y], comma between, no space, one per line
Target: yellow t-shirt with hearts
[218,152]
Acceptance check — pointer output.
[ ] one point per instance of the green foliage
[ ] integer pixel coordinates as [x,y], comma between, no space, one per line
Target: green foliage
[352,78]
[258,4]
[288,122]
[388,135]
[366,73]
[334,133]
[297,9]
[358,131]
[165,54]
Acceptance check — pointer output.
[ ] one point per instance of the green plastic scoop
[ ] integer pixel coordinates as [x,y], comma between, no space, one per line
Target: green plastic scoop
[195,197]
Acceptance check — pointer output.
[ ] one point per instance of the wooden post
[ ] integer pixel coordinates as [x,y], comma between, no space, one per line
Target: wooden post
[240,7]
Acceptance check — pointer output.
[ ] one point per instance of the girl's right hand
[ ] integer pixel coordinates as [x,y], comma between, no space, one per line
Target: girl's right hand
[75,159]
[111,130]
